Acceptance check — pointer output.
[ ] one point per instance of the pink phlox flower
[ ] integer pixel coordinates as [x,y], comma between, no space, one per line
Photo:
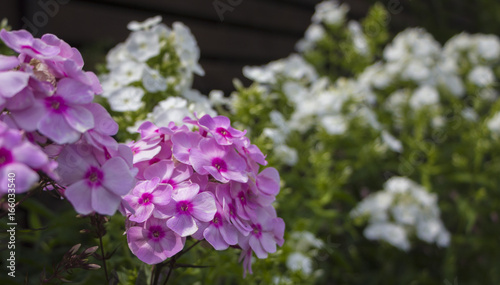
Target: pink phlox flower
[187,207]
[92,186]
[265,186]
[246,257]
[220,233]
[220,128]
[244,200]
[144,151]
[263,237]
[223,196]
[251,153]
[169,173]
[104,128]
[11,83]
[8,62]
[146,197]
[153,242]
[23,42]
[21,158]
[62,117]
[183,142]
[222,162]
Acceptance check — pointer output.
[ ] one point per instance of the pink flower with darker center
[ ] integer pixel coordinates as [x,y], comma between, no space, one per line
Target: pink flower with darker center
[220,128]
[222,162]
[94,187]
[153,242]
[146,198]
[188,208]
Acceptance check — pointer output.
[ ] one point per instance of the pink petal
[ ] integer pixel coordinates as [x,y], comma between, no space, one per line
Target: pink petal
[80,196]
[235,176]
[79,118]
[186,193]
[216,174]
[229,233]
[162,196]
[268,242]
[22,100]
[12,82]
[208,122]
[162,169]
[183,225]
[234,161]
[31,155]
[139,245]
[221,121]
[142,213]
[8,62]
[214,237]
[198,160]
[117,176]
[181,172]
[171,244]
[74,91]
[56,128]
[105,202]
[16,39]
[257,247]
[29,118]
[204,207]
[25,177]
[268,181]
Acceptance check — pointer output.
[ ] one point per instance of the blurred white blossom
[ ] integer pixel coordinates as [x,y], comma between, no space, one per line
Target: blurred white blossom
[402,209]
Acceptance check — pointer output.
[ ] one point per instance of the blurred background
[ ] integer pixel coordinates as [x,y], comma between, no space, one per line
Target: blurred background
[254,32]
[351,120]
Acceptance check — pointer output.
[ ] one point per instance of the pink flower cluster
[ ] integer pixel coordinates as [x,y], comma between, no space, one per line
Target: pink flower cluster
[46,101]
[205,184]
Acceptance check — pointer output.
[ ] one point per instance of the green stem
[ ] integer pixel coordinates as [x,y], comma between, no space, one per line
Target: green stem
[103,259]
[170,269]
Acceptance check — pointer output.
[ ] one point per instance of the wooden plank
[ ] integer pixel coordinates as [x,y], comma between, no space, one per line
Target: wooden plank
[10,10]
[267,15]
[216,40]
[218,75]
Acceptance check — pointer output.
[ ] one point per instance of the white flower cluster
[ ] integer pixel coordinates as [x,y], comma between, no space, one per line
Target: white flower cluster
[331,13]
[156,59]
[305,246]
[293,67]
[317,103]
[401,209]
[138,66]
[175,109]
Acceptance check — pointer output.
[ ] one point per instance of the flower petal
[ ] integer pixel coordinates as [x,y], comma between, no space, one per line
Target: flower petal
[80,196]
[105,202]
[183,225]
[117,176]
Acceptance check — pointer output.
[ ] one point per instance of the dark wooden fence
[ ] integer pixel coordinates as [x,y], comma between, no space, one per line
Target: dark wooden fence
[251,32]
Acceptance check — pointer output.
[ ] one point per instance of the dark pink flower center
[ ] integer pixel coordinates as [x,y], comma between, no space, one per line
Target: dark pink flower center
[232,210]
[242,198]
[156,233]
[5,156]
[154,160]
[56,104]
[184,207]
[219,164]
[217,221]
[223,132]
[257,230]
[171,182]
[94,176]
[146,199]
